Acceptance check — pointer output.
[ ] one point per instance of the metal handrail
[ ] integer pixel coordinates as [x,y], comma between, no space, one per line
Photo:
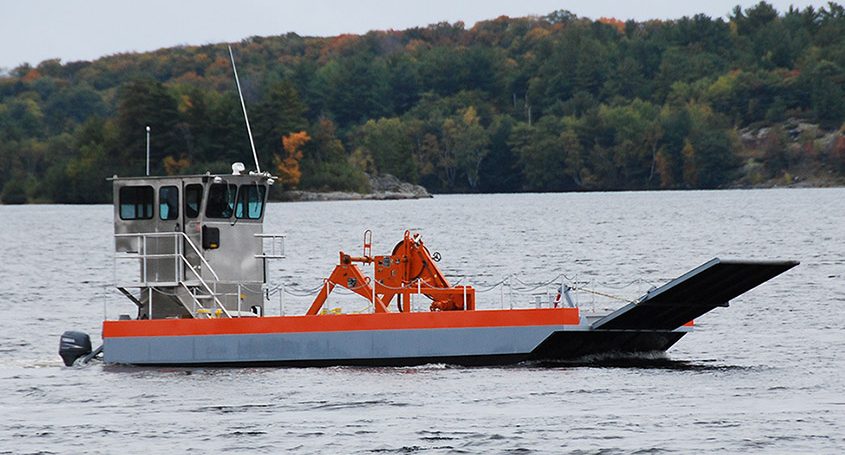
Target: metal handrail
[197,304]
[177,254]
[174,234]
[274,237]
[206,286]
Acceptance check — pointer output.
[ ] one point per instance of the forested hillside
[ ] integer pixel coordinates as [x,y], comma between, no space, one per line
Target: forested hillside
[553,103]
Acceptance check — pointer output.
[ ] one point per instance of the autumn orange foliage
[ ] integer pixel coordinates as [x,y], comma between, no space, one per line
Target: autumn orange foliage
[664,168]
[288,166]
[614,22]
[31,76]
[172,166]
[340,45]
[838,153]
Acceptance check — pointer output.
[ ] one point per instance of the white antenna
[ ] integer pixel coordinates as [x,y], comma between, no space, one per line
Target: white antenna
[148,150]
[246,118]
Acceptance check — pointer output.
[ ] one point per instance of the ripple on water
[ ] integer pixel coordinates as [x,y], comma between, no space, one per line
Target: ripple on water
[763,375]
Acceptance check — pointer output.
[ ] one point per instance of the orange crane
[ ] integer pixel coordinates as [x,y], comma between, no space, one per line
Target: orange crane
[410,269]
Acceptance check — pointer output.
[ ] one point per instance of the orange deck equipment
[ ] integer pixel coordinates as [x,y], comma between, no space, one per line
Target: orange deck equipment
[410,269]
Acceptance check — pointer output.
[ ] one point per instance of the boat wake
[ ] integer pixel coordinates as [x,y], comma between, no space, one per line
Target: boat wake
[645,360]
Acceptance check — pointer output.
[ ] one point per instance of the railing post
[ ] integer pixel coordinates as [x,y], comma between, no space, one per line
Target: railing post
[150,303]
[176,258]
[465,297]
[510,292]
[374,286]
[239,299]
[143,241]
[282,300]
[326,302]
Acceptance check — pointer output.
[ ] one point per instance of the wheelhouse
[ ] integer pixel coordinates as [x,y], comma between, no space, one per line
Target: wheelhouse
[199,242]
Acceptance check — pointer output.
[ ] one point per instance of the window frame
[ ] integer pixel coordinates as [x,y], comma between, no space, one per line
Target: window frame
[148,203]
[189,190]
[208,204]
[175,207]
[240,204]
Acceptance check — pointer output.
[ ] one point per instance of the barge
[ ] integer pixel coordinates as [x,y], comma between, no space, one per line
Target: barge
[202,260]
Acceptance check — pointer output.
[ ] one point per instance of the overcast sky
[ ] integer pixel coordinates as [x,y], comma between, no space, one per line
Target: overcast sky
[35,30]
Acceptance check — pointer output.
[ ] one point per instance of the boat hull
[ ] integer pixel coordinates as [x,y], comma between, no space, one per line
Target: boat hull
[491,337]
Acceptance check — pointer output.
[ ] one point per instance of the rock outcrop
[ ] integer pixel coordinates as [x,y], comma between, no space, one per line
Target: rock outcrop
[384,187]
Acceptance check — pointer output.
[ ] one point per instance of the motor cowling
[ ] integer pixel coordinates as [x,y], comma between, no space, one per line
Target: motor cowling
[74,345]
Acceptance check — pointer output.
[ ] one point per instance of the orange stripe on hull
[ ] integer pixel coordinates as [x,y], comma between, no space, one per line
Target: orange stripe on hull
[342,322]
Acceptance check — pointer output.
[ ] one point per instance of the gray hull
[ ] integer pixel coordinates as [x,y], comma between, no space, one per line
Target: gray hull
[465,346]
[654,322]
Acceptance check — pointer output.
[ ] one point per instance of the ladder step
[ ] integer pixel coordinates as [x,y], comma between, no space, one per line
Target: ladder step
[164,284]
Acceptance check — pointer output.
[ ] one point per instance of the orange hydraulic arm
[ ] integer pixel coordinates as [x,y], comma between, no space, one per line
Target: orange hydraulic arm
[348,275]
[410,269]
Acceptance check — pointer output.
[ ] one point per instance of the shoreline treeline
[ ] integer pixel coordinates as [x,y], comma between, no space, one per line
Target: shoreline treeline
[552,103]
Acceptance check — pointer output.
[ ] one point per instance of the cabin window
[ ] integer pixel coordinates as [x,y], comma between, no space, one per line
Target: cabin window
[250,202]
[136,202]
[168,203]
[193,199]
[221,200]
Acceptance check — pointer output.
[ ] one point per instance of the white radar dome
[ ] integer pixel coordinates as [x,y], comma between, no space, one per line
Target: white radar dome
[238,168]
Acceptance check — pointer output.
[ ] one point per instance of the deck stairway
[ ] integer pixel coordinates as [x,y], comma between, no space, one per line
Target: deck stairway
[176,281]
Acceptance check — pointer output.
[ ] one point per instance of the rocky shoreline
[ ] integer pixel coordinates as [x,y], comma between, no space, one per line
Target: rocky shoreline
[810,156]
[384,187]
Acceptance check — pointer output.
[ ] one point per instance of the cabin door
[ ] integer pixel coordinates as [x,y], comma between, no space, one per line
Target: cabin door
[168,267]
[192,226]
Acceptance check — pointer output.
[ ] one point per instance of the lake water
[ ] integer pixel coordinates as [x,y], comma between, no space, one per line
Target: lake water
[765,375]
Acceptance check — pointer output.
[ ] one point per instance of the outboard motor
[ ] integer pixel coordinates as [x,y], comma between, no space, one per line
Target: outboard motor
[74,345]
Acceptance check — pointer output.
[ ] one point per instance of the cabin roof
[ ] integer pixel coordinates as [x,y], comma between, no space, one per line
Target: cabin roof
[262,176]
